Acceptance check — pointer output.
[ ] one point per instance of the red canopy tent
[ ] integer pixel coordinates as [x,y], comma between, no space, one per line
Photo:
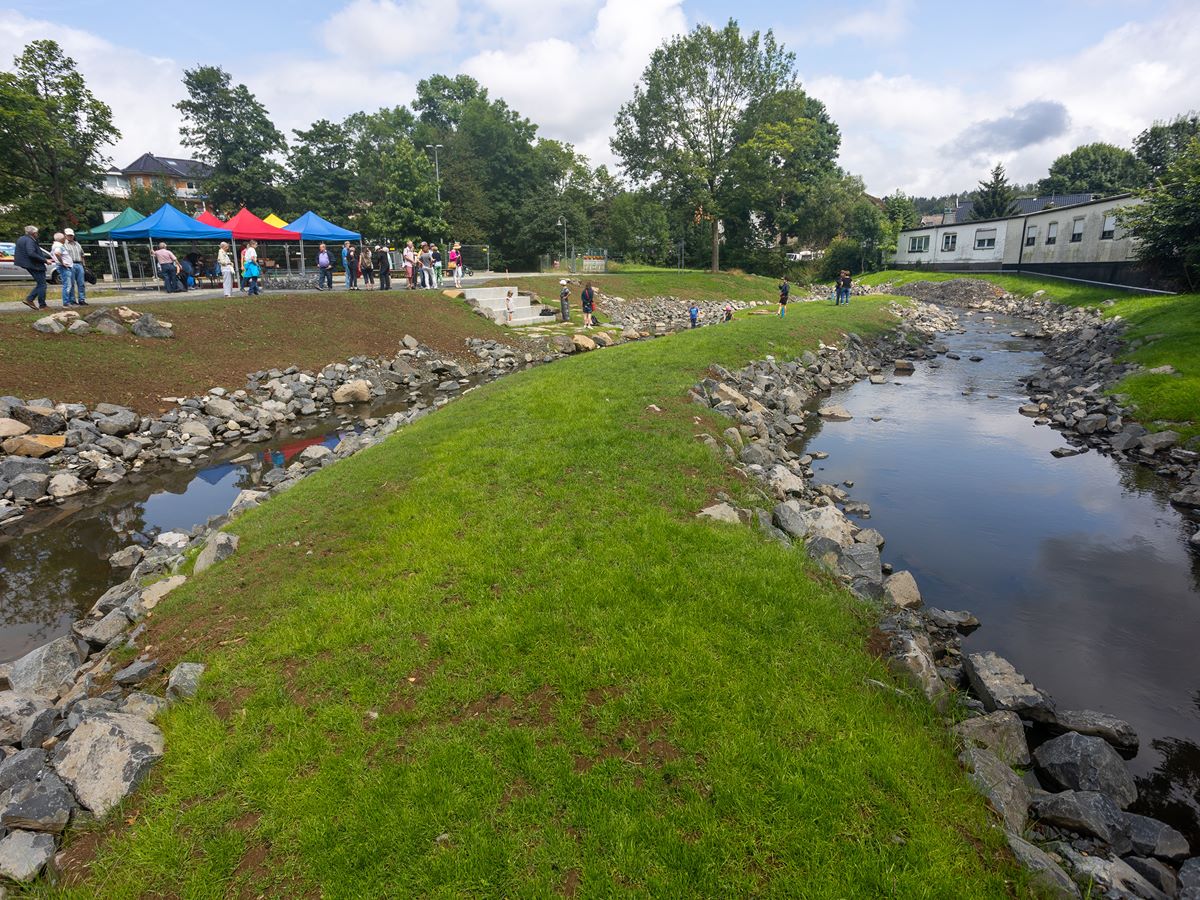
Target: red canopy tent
[246,226]
[208,219]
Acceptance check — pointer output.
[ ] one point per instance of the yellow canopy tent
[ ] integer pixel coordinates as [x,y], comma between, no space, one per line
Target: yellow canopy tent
[274,220]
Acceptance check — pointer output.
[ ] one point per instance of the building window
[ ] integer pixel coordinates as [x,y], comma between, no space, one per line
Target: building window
[191,185]
[918,244]
[1110,227]
[949,241]
[1077,231]
[1052,233]
[985,238]
[1031,236]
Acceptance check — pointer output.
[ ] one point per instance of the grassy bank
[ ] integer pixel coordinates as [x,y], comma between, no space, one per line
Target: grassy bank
[1163,330]
[497,655]
[218,341]
[645,282]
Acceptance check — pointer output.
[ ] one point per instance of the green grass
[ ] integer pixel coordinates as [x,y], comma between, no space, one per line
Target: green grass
[497,655]
[1163,329]
[643,282]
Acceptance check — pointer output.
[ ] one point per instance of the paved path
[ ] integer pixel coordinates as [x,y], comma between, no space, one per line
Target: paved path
[148,295]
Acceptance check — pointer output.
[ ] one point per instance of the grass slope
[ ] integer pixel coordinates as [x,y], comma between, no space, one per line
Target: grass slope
[497,655]
[644,283]
[1163,329]
[218,341]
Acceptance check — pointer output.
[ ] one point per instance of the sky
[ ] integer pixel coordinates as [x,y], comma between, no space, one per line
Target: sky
[928,95]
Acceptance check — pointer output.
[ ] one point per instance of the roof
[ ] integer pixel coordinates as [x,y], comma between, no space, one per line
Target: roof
[208,219]
[168,223]
[1025,205]
[965,209]
[272,219]
[246,226]
[312,227]
[149,164]
[129,216]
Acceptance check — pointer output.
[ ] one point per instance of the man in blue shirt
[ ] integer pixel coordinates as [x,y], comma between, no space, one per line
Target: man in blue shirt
[32,258]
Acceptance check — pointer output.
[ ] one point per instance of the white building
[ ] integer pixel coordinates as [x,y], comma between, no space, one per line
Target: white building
[1080,241]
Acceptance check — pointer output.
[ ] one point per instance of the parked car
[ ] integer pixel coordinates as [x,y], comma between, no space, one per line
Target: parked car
[52,275]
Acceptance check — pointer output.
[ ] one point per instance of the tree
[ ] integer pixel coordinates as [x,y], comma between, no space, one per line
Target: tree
[683,123]
[52,134]
[440,99]
[995,197]
[232,132]
[900,211]
[866,225]
[147,199]
[321,168]
[638,228]
[1094,169]
[1160,144]
[1167,224]
[407,205]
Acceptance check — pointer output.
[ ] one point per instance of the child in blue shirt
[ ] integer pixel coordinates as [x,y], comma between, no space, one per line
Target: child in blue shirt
[694,313]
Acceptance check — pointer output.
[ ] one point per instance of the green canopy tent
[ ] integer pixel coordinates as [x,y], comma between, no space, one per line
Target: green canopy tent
[128,216]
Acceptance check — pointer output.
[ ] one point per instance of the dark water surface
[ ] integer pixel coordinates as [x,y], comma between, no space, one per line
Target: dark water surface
[1079,568]
[56,565]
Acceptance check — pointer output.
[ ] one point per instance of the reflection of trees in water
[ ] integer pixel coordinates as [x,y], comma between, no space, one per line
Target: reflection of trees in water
[1172,791]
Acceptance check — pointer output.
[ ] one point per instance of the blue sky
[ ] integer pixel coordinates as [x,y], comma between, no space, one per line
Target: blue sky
[928,95]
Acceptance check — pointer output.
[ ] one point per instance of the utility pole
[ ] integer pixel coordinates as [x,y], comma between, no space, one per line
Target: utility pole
[563,223]
[437,172]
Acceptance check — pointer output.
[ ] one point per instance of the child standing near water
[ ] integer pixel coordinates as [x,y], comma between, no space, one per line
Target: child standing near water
[784,290]
[508,308]
[694,313]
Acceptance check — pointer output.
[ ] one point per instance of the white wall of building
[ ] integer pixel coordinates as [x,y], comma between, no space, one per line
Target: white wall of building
[1047,235]
[968,243]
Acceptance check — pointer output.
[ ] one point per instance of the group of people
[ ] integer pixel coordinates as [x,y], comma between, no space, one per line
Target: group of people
[587,300]
[65,256]
[841,291]
[423,265]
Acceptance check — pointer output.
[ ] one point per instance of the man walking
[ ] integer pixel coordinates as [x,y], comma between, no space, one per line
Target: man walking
[168,267]
[75,251]
[29,256]
[383,262]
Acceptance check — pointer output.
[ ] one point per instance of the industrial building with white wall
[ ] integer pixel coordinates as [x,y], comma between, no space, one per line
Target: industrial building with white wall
[1081,242]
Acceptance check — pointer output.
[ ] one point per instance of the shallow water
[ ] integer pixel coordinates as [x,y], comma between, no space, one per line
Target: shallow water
[1079,568]
[56,565]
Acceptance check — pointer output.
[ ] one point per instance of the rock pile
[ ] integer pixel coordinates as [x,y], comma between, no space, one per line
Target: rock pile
[52,451]
[662,314]
[106,320]
[1068,813]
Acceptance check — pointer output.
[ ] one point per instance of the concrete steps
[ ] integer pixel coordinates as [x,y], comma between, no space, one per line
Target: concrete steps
[490,301]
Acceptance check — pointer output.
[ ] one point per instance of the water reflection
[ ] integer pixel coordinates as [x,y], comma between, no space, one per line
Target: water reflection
[1079,568]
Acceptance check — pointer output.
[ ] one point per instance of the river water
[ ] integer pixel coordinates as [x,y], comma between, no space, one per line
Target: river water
[1079,568]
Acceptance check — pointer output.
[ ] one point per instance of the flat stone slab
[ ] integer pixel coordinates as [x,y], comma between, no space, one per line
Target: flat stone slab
[1001,687]
[46,671]
[23,855]
[106,757]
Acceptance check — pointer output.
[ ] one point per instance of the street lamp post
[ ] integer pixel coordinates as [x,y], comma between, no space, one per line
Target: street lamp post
[437,172]
[563,223]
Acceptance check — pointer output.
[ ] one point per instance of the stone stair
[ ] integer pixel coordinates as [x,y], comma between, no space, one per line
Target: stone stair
[490,301]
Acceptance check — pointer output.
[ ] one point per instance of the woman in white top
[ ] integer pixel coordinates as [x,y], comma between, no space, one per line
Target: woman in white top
[250,270]
[225,263]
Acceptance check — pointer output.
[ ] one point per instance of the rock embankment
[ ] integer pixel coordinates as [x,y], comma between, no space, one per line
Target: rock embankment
[1056,778]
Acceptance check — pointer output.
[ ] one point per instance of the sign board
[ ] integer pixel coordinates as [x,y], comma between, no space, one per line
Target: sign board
[7,249]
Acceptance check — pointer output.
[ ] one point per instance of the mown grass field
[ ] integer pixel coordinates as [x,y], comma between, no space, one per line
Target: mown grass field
[1165,329]
[646,282]
[497,656]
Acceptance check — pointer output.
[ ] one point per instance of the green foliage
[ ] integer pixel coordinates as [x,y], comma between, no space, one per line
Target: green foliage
[1167,225]
[440,100]
[995,197]
[232,132]
[407,205]
[52,134]
[687,115]
[146,199]
[638,228]
[1160,144]
[1094,168]
[321,172]
[842,253]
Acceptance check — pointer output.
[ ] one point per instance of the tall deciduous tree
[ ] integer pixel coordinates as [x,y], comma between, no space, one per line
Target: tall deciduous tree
[1167,225]
[1096,169]
[232,132]
[995,198]
[683,123]
[53,132]
[407,204]
[321,172]
[638,228]
[1163,142]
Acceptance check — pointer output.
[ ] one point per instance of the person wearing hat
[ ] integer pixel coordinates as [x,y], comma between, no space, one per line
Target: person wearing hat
[74,249]
[564,301]
[30,256]
[456,263]
[63,265]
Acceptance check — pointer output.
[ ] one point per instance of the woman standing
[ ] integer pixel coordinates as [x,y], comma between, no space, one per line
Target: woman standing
[366,267]
[588,300]
[410,262]
[456,263]
[225,263]
[250,269]
[352,266]
[437,265]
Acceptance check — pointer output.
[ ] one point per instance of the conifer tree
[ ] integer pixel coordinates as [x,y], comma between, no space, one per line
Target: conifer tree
[995,198]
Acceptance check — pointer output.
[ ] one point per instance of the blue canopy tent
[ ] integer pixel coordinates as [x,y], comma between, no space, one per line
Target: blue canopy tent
[168,223]
[313,228]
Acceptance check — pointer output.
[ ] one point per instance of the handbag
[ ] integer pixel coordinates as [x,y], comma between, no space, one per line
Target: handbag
[251,269]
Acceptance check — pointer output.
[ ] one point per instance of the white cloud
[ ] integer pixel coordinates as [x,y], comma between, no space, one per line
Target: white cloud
[379,33]
[900,131]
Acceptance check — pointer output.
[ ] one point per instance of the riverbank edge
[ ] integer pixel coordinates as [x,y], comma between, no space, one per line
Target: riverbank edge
[1005,713]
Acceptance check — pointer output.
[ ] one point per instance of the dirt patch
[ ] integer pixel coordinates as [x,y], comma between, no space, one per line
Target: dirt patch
[878,643]
[638,742]
[515,791]
[225,707]
[570,885]
[247,821]
[219,341]
[489,707]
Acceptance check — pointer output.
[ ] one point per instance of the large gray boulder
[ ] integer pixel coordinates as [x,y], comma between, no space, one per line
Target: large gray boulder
[1116,731]
[1000,732]
[1002,786]
[119,423]
[24,765]
[44,805]
[16,712]
[1151,837]
[40,419]
[1079,762]
[218,549]
[106,757]
[184,680]
[98,632]
[1047,874]
[47,671]
[1189,879]
[220,407]
[862,565]
[911,658]
[1086,812]
[1157,872]
[23,855]
[1110,877]
[1001,687]
[147,325]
